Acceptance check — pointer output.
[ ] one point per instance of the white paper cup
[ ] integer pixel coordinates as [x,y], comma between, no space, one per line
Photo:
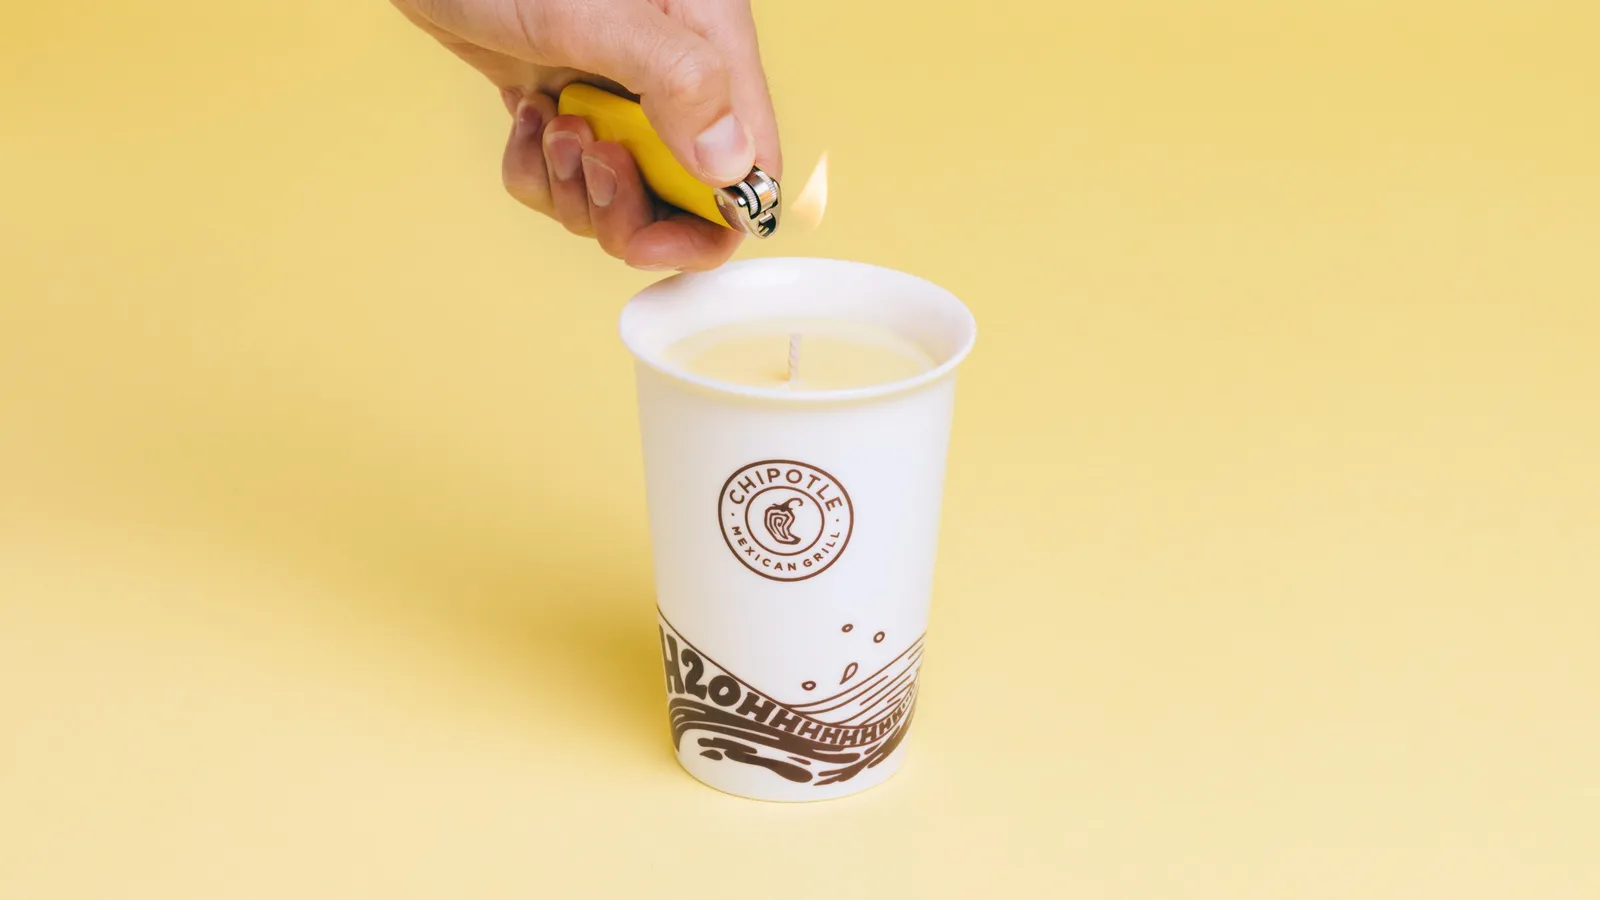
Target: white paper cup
[793,675]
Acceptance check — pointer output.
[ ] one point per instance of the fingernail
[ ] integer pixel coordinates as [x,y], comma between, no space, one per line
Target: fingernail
[565,154]
[657,267]
[528,119]
[725,151]
[601,180]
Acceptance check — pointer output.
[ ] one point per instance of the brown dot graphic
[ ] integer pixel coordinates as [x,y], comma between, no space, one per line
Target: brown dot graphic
[809,685]
[847,628]
[848,671]
[877,638]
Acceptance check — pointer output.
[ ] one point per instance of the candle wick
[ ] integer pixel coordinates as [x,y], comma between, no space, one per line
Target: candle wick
[794,358]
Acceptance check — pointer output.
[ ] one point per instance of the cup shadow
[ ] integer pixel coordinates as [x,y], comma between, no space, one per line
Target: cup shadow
[564,634]
[590,656]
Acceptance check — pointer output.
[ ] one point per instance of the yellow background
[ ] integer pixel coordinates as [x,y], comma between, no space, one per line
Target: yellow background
[1271,556]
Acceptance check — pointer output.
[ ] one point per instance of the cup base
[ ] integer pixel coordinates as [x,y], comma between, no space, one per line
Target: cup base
[755,783]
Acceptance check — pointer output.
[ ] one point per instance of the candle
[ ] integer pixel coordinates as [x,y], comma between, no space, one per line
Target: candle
[794,517]
[828,355]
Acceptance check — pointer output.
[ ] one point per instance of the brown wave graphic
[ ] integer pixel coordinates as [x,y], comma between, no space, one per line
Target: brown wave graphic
[881,703]
[722,748]
[692,715]
[843,705]
[739,738]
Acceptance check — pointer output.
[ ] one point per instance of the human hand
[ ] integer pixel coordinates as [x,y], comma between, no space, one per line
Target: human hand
[693,65]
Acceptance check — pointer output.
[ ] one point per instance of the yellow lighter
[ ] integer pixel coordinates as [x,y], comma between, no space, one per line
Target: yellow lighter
[750,206]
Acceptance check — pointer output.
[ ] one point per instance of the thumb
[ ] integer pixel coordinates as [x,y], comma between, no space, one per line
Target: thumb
[681,78]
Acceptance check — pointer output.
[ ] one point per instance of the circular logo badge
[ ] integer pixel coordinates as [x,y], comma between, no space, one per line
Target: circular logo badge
[785,520]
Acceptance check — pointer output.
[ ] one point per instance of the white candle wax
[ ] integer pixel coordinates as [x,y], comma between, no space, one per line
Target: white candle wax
[834,354]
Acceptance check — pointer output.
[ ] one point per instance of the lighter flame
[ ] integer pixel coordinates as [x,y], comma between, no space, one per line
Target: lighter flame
[812,201]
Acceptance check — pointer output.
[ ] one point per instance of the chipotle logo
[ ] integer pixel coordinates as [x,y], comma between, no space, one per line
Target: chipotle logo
[785,520]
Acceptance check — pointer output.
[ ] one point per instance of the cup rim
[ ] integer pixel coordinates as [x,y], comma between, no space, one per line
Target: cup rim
[628,327]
